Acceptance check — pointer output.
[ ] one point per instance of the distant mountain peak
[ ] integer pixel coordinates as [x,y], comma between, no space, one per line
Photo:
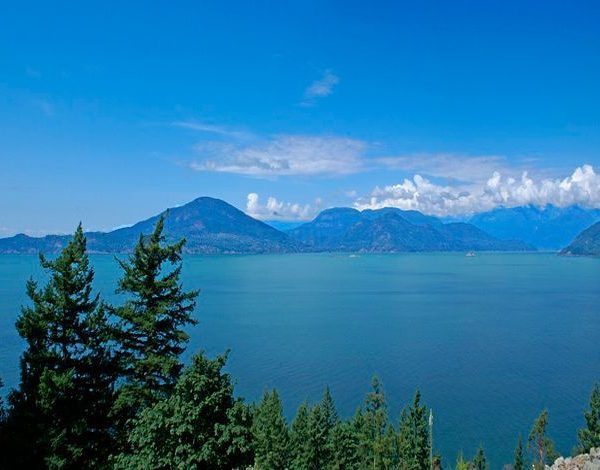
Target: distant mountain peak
[390,230]
[209,225]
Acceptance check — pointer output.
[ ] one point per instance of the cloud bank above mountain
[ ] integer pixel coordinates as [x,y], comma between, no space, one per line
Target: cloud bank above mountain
[582,187]
[440,184]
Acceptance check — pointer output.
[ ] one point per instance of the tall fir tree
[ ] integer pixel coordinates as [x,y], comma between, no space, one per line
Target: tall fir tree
[519,463]
[270,433]
[322,420]
[299,439]
[60,410]
[479,461]
[201,425]
[414,439]
[590,435]
[540,445]
[151,323]
[376,447]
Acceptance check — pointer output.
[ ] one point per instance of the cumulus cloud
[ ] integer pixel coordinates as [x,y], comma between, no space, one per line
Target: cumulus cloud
[280,210]
[283,155]
[582,187]
[320,88]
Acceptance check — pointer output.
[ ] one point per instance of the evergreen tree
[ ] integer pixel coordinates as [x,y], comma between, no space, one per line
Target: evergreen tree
[540,445]
[519,457]
[346,446]
[376,447]
[322,420]
[151,324]
[299,439]
[414,440]
[60,411]
[201,425]
[479,461]
[330,414]
[590,436]
[270,433]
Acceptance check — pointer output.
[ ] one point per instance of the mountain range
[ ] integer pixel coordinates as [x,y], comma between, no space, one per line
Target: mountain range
[394,230]
[548,228]
[212,226]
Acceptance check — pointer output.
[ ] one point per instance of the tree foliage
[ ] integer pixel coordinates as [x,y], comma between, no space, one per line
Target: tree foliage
[346,446]
[479,461]
[462,463]
[270,433]
[200,425]
[519,463]
[590,435]
[540,445]
[299,438]
[60,410]
[151,322]
[414,439]
[377,438]
[321,422]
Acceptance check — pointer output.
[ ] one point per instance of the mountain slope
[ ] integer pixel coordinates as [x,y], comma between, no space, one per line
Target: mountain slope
[586,243]
[545,228]
[393,230]
[210,226]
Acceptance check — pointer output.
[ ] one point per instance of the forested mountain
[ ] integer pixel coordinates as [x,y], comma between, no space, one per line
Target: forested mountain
[209,226]
[586,243]
[394,230]
[212,226]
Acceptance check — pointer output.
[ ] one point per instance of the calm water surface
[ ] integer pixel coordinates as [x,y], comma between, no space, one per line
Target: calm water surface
[489,340]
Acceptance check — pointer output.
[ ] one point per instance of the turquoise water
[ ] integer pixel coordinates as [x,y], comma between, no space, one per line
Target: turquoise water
[489,340]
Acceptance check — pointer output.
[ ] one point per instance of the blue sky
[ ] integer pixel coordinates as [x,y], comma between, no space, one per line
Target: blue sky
[113,111]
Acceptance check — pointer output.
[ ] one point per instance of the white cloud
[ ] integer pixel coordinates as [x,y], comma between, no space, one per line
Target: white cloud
[582,187]
[211,129]
[320,88]
[451,166]
[283,156]
[280,210]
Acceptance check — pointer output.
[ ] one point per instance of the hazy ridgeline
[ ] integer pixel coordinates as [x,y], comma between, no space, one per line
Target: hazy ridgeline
[103,386]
